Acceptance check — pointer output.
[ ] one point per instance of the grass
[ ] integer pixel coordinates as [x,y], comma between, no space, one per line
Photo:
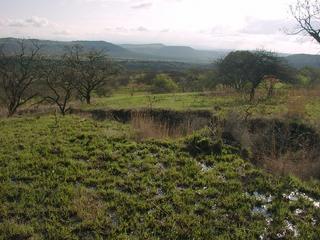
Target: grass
[176,101]
[75,178]
[286,102]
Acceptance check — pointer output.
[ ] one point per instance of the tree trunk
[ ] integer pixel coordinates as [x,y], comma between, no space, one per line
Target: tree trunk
[11,110]
[10,113]
[270,91]
[252,94]
[88,99]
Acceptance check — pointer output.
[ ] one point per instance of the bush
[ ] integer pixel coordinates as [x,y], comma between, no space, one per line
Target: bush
[200,144]
[163,83]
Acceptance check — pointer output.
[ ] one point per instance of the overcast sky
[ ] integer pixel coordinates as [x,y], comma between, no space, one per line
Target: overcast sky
[203,24]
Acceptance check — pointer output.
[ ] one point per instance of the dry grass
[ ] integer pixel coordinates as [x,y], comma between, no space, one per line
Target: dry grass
[87,205]
[40,109]
[297,100]
[3,112]
[276,146]
[298,164]
[147,127]
[287,154]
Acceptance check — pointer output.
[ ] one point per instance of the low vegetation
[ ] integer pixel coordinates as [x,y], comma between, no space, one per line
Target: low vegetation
[76,178]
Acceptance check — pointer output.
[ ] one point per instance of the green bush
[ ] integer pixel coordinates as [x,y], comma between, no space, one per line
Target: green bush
[199,144]
[163,83]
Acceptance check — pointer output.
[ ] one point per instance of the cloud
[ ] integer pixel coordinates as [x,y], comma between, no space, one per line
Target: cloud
[37,21]
[33,21]
[62,32]
[165,30]
[121,29]
[142,29]
[16,23]
[264,27]
[142,5]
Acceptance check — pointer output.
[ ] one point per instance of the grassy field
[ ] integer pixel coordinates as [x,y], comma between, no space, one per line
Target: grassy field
[305,103]
[76,178]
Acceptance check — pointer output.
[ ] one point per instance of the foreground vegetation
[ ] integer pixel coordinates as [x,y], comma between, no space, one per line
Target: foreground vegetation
[75,178]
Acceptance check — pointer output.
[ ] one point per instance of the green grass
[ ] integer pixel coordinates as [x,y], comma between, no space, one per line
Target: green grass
[277,106]
[75,178]
[313,109]
[178,101]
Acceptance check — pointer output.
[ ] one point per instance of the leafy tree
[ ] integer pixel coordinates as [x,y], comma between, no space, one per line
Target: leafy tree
[245,69]
[148,77]
[163,83]
[18,72]
[309,76]
[196,79]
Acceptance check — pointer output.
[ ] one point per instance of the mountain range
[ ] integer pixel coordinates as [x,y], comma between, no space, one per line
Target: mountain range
[149,52]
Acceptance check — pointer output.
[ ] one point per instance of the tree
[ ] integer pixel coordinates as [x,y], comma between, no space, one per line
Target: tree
[307,15]
[269,84]
[59,78]
[93,70]
[197,79]
[245,69]
[163,83]
[309,76]
[18,71]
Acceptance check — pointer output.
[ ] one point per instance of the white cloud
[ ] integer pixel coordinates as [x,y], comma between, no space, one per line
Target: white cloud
[33,21]
[264,26]
[62,32]
[37,21]
[166,30]
[142,29]
[142,5]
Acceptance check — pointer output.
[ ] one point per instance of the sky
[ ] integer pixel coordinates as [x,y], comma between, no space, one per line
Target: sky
[202,24]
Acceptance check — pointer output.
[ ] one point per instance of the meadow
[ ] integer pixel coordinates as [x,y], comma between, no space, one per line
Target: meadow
[76,178]
[302,102]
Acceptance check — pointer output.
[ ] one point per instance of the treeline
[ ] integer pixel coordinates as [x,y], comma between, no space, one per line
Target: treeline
[25,75]
[243,71]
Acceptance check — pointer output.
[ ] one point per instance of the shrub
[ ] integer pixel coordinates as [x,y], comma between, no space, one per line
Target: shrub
[163,83]
[200,144]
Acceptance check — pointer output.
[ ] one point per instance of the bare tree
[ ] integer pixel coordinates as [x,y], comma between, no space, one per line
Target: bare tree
[18,71]
[59,78]
[93,70]
[307,16]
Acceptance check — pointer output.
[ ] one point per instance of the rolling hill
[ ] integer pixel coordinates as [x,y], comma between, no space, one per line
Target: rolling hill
[177,53]
[150,52]
[57,48]
[304,60]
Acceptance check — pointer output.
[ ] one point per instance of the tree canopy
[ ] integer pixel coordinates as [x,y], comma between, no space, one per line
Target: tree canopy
[244,70]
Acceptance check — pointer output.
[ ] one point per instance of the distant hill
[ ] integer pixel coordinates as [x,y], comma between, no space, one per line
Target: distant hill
[151,52]
[57,48]
[304,60]
[146,52]
[176,53]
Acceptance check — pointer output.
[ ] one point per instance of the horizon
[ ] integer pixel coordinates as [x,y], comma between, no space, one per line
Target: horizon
[157,43]
[205,25]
